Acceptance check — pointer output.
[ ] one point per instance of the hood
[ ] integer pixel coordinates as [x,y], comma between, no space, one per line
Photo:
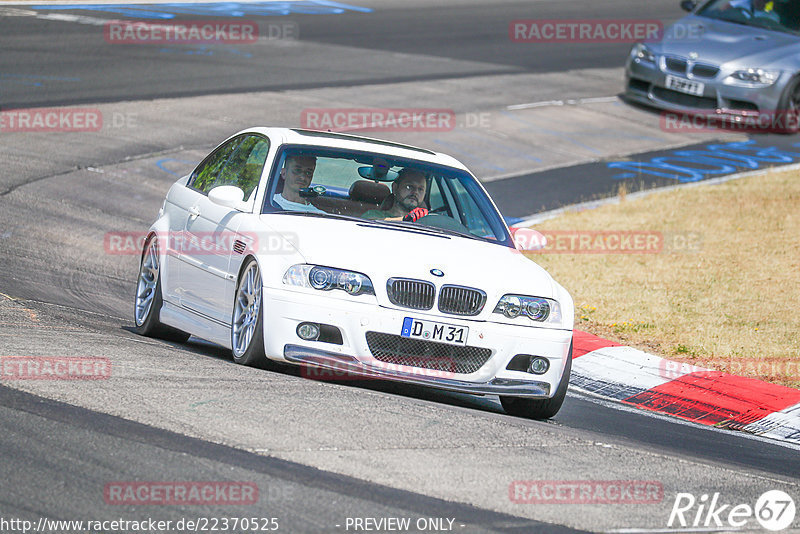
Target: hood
[722,42]
[382,252]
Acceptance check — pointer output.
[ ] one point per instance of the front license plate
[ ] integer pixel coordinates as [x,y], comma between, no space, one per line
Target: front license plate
[433,331]
[685,86]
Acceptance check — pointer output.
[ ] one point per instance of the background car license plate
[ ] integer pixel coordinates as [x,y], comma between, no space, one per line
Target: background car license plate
[685,86]
[432,331]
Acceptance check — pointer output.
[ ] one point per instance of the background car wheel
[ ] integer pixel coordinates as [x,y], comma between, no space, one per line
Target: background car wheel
[789,108]
[540,408]
[247,324]
[147,306]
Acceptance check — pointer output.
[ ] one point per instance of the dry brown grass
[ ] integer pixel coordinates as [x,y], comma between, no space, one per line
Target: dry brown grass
[731,304]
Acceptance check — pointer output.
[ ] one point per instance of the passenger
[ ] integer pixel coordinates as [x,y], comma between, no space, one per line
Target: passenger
[297,173]
[406,201]
[755,8]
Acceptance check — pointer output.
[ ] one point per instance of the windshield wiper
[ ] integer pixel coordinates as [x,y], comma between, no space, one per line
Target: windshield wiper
[366,223]
[377,223]
[433,229]
[317,214]
[718,16]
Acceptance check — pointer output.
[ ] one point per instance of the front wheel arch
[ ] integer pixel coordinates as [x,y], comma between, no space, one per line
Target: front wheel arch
[244,314]
[541,408]
[789,112]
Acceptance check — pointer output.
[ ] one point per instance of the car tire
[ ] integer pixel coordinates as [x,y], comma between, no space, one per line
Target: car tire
[148,301]
[789,108]
[540,408]
[247,321]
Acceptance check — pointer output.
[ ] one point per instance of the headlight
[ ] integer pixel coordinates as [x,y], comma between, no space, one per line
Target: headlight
[754,77]
[537,309]
[328,278]
[642,53]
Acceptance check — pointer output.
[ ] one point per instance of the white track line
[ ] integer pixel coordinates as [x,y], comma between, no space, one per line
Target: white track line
[571,102]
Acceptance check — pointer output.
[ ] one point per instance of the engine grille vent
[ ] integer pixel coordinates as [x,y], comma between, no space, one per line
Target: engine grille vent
[408,293]
[677,65]
[459,300]
[702,70]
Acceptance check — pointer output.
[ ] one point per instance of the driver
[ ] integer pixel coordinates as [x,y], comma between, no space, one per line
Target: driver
[297,173]
[407,200]
[765,9]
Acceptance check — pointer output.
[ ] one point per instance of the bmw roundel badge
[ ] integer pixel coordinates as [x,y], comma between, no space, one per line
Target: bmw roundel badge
[437,272]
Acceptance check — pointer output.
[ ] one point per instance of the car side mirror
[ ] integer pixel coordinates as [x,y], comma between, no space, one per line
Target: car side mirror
[688,5]
[228,196]
[526,239]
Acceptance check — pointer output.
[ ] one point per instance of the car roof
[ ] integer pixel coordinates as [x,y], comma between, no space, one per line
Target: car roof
[298,136]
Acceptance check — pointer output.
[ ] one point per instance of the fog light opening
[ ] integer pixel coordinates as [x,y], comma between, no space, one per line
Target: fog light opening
[308,331]
[538,365]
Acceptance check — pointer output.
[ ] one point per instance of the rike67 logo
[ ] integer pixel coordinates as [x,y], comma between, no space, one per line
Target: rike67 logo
[774,510]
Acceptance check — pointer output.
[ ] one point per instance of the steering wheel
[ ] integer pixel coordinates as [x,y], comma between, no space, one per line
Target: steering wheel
[737,14]
[313,192]
[766,20]
[437,220]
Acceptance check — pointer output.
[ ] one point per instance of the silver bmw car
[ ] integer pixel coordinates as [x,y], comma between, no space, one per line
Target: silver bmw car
[737,58]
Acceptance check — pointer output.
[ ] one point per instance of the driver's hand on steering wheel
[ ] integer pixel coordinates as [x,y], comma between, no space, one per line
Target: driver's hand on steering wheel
[415,214]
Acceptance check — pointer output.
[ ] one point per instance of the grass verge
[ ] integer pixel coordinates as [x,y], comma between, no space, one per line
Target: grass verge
[710,275]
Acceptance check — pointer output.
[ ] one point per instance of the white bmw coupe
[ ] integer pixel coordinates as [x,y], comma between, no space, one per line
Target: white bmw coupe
[362,256]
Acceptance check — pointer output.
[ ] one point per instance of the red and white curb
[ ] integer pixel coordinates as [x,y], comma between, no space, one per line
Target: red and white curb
[703,396]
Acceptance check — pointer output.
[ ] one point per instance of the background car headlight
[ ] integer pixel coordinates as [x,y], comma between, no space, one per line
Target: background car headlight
[642,53]
[537,309]
[754,77]
[328,278]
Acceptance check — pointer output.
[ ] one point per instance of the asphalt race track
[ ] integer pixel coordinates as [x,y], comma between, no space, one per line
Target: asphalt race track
[541,125]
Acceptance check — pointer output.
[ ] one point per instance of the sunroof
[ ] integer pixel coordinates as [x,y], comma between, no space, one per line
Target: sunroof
[346,137]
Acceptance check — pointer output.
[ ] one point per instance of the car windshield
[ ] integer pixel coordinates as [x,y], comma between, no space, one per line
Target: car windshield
[777,15]
[382,189]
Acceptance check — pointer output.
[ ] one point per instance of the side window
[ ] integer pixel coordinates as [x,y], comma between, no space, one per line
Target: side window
[204,178]
[437,201]
[470,213]
[244,166]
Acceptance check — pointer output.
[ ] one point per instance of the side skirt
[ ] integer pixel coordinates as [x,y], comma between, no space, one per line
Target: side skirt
[196,324]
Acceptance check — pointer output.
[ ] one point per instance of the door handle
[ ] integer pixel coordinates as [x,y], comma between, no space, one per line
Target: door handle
[194,212]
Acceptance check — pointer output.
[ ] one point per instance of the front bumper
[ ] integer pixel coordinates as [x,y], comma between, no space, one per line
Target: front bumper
[341,363]
[285,309]
[645,83]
